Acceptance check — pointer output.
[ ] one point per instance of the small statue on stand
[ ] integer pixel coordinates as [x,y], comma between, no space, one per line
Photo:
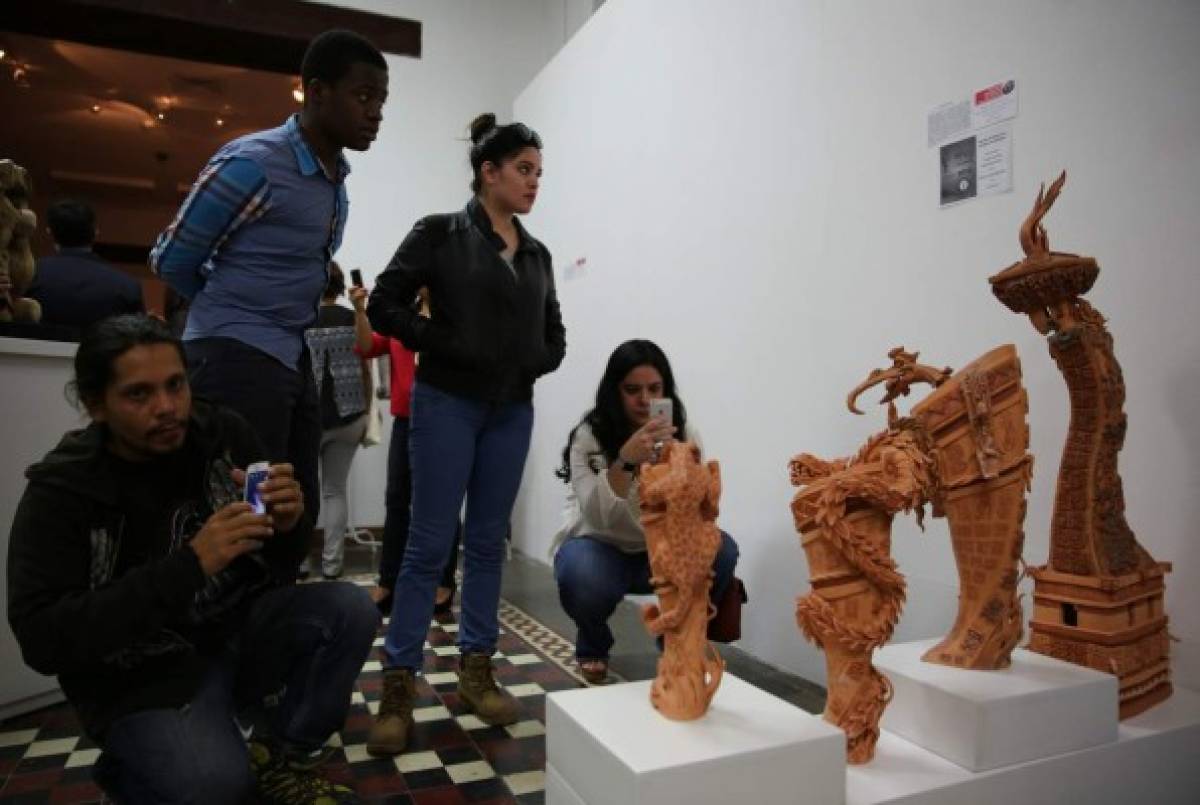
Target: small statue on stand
[17,225]
[1099,601]
[679,501]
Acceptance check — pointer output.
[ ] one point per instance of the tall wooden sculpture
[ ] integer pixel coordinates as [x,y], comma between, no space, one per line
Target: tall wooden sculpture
[679,501]
[844,511]
[977,425]
[1099,600]
[963,449]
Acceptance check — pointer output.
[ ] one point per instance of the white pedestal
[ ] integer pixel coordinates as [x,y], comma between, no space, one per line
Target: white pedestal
[609,746]
[1154,760]
[558,791]
[980,720]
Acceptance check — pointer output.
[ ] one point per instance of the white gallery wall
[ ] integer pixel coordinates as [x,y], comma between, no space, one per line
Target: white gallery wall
[751,188]
[476,56]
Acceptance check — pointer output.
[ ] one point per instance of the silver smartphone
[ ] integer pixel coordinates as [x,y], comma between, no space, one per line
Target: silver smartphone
[664,409]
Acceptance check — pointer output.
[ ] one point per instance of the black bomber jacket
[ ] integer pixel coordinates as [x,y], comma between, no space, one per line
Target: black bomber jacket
[493,329]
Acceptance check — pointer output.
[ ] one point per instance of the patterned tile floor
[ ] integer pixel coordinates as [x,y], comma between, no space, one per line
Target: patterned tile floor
[453,757]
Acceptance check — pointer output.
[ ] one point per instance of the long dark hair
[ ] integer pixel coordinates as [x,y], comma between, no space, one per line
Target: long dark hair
[607,419]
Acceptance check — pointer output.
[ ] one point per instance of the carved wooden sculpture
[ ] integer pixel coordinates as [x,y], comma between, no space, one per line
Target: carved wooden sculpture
[977,425]
[1099,601]
[679,501]
[843,512]
[17,225]
[963,449]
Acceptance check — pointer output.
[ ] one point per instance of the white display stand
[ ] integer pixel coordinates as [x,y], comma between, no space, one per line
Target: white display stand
[981,720]
[609,746]
[1155,759]
[558,792]
[33,375]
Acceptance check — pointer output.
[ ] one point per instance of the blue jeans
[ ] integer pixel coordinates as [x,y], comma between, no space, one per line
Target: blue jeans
[309,640]
[458,448]
[398,498]
[594,576]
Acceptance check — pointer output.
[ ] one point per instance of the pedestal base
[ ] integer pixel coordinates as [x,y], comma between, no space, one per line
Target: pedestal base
[1152,760]
[608,746]
[981,720]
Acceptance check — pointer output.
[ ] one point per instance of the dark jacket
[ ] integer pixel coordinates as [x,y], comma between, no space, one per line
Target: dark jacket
[78,288]
[494,329]
[128,629]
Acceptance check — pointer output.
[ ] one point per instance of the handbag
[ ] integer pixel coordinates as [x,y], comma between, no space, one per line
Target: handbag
[726,625]
[373,433]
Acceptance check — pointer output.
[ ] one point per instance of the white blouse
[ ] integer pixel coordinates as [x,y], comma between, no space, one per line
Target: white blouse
[592,507]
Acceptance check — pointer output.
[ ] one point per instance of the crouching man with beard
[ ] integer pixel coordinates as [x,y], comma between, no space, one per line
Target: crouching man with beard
[163,602]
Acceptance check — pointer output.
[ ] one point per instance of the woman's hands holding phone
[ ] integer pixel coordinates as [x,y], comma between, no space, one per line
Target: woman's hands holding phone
[646,442]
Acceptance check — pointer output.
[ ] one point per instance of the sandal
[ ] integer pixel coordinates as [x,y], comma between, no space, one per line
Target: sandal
[595,671]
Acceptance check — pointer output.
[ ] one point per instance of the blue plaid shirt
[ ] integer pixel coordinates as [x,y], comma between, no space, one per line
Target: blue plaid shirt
[251,245]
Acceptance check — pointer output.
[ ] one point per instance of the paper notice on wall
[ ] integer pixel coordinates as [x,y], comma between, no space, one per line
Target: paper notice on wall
[959,171]
[949,122]
[993,157]
[986,107]
[978,165]
[994,104]
[974,140]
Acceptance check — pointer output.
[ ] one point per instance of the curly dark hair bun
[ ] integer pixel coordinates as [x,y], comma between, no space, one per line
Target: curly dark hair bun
[481,126]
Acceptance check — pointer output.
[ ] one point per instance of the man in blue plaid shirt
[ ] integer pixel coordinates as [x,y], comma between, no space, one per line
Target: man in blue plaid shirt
[251,244]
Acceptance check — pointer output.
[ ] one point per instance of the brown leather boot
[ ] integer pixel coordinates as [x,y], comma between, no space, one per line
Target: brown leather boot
[478,690]
[389,734]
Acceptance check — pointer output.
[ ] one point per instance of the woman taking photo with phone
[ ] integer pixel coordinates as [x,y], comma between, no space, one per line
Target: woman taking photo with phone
[494,328]
[600,555]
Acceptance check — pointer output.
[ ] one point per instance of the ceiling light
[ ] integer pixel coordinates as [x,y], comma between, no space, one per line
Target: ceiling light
[20,77]
[220,121]
[161,115]
[298,93]
[95,109]
[3,52]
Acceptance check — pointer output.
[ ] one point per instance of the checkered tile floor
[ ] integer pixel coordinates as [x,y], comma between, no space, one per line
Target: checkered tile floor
[453,757]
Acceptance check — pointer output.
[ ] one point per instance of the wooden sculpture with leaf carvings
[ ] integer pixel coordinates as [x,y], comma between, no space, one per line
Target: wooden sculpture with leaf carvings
[679,501]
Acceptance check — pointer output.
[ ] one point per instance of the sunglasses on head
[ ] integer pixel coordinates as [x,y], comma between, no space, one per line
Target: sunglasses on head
[523,132]
[527,134]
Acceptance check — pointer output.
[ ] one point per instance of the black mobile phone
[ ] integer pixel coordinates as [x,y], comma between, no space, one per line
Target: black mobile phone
[356,277]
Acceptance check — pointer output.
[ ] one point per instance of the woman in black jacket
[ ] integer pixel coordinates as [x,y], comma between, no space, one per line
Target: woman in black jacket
[494,328]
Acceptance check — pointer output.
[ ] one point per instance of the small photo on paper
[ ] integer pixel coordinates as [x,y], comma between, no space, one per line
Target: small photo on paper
[959,172]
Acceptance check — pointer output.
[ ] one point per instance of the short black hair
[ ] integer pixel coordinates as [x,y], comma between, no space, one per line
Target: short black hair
[107,340]
[335,286]
[72,222]
[330,56]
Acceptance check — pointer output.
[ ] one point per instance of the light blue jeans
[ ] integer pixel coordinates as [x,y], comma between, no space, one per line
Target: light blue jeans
[459,448]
